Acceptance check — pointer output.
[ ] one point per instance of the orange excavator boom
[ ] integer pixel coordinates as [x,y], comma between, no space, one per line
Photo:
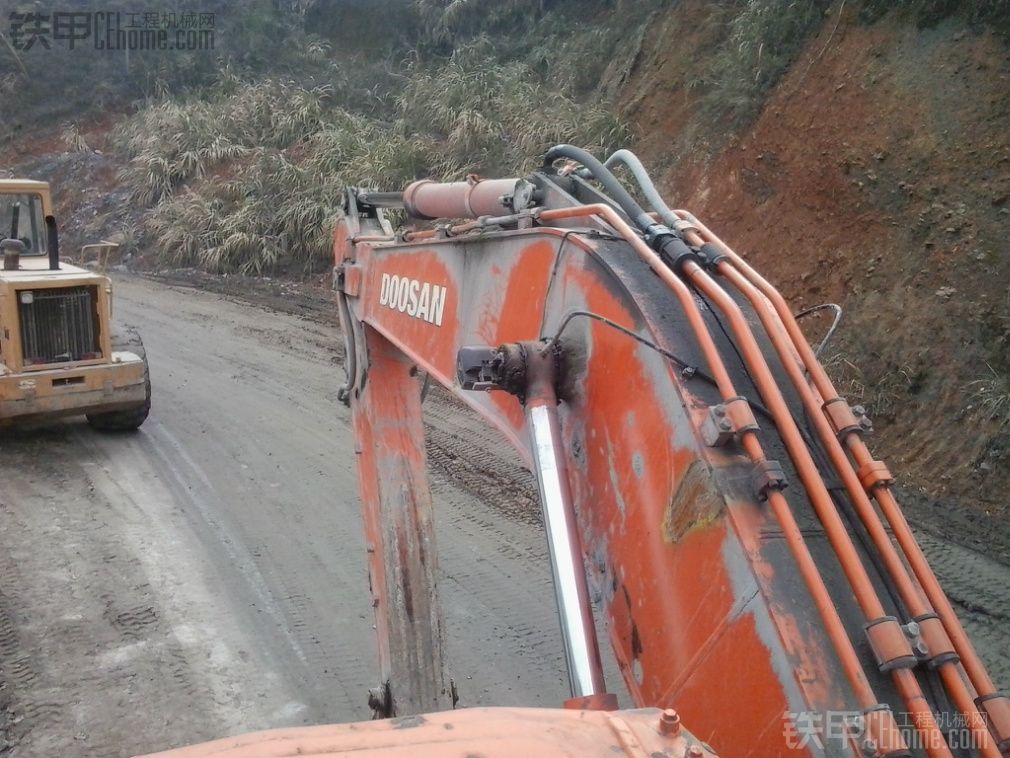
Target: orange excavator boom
[698,472]
[697,469]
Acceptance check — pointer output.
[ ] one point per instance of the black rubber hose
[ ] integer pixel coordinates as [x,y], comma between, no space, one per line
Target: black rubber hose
[661,238]
[603,175]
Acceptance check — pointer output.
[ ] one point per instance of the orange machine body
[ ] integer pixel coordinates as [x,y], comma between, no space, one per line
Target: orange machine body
[713,490]
[688,565]
[705,593]
[487,732]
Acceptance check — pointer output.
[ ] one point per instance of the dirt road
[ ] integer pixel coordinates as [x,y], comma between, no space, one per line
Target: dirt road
[206,575]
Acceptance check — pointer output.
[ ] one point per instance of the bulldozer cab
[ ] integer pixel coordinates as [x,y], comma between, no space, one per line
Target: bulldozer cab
[24,206]
[60,354]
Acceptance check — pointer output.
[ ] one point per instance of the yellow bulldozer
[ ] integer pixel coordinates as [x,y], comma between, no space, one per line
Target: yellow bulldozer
[59,352]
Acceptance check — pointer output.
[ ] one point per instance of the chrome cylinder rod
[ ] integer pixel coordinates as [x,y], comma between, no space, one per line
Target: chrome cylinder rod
[582,652]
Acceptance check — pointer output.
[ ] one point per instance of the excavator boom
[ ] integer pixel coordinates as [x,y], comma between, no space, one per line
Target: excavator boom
[697,469]
[699,475]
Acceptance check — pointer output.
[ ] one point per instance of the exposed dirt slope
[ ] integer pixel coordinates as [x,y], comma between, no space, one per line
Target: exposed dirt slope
[877,176]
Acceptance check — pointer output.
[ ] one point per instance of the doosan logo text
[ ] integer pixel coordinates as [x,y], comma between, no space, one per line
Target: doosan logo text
[418,299]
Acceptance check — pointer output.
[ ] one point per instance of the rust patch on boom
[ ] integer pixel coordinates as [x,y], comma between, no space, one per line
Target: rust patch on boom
[696,503]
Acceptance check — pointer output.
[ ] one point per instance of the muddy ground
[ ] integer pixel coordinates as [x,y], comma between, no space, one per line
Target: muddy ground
[206,576]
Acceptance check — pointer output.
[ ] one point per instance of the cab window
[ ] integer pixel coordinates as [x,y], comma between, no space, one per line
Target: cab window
[21,218]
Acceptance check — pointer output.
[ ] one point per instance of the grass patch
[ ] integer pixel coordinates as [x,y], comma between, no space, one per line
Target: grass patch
[247,175]
[762,39]
[73,139]
[990,397]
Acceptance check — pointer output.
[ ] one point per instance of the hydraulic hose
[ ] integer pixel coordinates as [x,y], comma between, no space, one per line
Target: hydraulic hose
[660,237]
[644,181]
[610,182]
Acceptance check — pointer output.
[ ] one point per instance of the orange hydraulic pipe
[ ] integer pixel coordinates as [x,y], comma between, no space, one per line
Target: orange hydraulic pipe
[910,592]
[820,498]
[973,665]
[794,538]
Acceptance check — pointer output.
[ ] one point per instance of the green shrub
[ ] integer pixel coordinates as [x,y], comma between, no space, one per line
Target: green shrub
[495,117]
[763,37]
[171,142]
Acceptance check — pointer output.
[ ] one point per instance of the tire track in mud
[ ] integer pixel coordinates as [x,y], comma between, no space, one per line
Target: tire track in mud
[17,674]
[475,457]
[100,654]
[979,589]
[95,611]
[498,601]
[301,625]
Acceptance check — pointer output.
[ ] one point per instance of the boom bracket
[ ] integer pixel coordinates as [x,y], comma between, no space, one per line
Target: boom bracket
[482,369]
[728,421]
